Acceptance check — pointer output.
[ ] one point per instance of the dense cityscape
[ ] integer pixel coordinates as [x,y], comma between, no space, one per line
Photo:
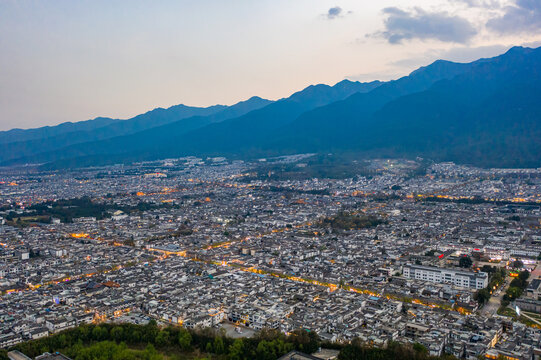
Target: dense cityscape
[439,255]
[270,180]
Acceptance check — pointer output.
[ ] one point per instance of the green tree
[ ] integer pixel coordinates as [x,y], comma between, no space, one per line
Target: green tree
[465,262]
[162,339]
[482,296]
[150,353]
[304,340]
[236,350]
[517,264]
[218,345]
[117,334]
[514,292]
[488,269]
[100,333]
[184,339]
[265,351]
[524,275]
[150,331]
[420,348]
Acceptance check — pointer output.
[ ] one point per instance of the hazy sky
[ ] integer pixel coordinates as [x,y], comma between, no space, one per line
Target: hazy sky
[66,60]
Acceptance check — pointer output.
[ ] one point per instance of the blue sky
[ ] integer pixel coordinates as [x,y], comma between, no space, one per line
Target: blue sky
[65,60]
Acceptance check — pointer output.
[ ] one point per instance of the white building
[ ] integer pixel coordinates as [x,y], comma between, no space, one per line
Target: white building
[460,278]
[56,252]
[56,325]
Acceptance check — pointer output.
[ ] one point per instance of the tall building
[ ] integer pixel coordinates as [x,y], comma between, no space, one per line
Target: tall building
[460,278]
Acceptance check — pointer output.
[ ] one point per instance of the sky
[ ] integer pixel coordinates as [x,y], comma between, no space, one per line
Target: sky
[65,60]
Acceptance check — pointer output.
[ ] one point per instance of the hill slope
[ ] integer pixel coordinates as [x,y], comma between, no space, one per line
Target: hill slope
[48,139]
[164,141]
[271,133]
[489,115]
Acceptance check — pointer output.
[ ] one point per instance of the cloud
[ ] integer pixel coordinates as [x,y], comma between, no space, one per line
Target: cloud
[334,12]
[532,44]
[523,16]
[489,4]
[403,25]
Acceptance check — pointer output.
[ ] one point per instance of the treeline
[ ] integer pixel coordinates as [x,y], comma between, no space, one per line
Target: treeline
[128,341]
[321,166]
[393,351]
[296,191]
[476,200]
[349,221]
[149,342]
[68,209]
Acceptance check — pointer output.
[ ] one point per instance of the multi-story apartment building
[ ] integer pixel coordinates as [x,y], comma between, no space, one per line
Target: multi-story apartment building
[461,278]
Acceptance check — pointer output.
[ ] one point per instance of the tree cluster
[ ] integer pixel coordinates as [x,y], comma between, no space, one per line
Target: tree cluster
[465,262]
[150,342]
[516,288]
[349,221]
[393,351]
[497,277]
[68,209]
[126,341]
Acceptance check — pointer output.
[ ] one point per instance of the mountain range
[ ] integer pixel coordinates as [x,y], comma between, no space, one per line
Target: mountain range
[485,113]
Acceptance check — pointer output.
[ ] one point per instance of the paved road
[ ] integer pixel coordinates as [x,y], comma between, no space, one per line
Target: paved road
[495,300]
[536,273]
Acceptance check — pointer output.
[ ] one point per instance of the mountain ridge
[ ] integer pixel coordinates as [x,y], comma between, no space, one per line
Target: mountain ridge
[148,120]
[275,112]
[435,111]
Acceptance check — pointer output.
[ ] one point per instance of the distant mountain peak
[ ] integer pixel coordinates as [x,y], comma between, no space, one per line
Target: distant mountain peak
[346,82]
[254,101]
[519,50]
[437,65]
